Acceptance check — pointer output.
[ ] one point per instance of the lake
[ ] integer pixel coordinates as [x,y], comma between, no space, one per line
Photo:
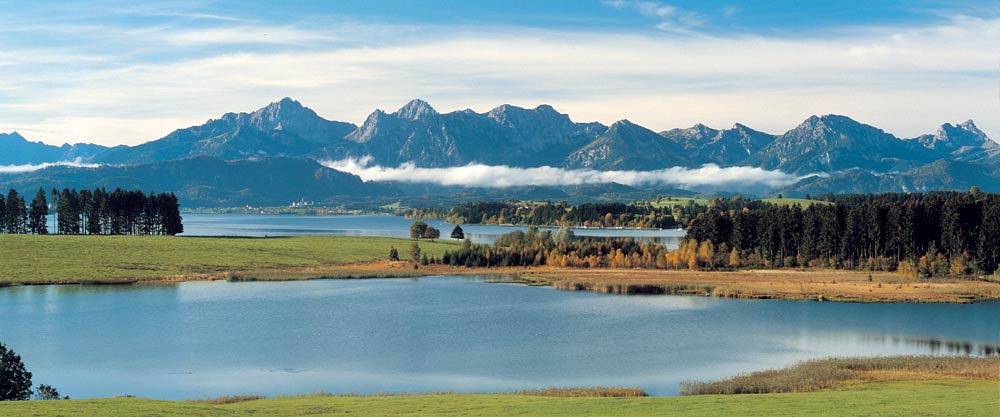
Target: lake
[202,339]
[377,225]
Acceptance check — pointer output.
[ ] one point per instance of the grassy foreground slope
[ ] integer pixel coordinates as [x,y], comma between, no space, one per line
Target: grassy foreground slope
[58,259]
[942,397]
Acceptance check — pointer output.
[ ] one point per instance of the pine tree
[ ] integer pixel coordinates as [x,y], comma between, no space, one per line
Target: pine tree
[3,215]
[15,213]
[37,218]
[415,252]
[55,207]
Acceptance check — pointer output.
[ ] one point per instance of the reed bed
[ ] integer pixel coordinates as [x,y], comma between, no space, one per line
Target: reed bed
[820,374]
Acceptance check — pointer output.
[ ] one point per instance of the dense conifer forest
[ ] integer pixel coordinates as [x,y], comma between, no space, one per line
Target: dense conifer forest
[97,212]
[931,234]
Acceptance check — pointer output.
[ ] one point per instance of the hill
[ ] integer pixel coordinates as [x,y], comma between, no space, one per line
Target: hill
[16,150]
[209,181]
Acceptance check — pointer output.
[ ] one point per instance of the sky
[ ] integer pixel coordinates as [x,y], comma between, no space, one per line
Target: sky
[117,72]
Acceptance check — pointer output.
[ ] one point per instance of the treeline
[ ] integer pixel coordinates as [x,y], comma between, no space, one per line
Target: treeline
[657,214]
[934,234]
[926,235]
[596,215]
[562,248]
[97,212]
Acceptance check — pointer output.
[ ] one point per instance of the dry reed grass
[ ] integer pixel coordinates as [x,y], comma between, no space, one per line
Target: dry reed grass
[827,373]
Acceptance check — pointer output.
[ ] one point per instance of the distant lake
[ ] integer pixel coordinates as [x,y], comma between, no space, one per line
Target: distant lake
[376,225]
[202,339]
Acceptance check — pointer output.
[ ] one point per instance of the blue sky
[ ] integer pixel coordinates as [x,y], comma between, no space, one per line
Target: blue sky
[116,72]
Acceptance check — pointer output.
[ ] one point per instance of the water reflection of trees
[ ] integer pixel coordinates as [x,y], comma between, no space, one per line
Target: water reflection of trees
[940,346]
[57,290]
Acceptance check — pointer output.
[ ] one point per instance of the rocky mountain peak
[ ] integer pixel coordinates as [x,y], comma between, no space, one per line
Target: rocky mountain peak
[951,137]
[702,130]
[281,114]
[543,115]
[622,124]
[970,127]
[545,108]
[12,136]
[415,109]
[285,105]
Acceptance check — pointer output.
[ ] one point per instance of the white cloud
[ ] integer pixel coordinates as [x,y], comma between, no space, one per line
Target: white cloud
[499,176]
[907,81]
[245,35]
[19,169]
[670,18]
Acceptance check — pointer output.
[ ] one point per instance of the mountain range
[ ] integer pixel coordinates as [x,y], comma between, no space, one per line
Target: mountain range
[278,145]
[207,181]
[16,150]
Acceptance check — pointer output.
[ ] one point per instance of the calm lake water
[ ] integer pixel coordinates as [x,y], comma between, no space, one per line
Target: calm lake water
[201,339]
[375,225]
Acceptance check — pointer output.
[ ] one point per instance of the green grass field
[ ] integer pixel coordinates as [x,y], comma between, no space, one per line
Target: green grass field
[42,259]
[789,201]
[945,397]
[679,201]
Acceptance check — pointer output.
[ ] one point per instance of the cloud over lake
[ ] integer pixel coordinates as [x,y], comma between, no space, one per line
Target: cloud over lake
[499,176]
[19,169]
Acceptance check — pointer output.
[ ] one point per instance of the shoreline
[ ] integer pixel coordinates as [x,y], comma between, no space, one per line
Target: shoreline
[855,384]
[548,226]
[823,285]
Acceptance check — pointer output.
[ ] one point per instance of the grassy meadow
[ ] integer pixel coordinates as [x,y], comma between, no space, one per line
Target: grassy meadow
[939,397]
[679,201]
[67,259]
[791,201]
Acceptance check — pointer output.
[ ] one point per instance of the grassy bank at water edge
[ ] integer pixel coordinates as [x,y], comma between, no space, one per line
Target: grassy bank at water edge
[941,397]
[71,259]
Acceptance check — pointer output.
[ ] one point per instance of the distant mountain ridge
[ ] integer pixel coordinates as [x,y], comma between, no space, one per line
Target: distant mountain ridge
[16,150]
[852,155]
[628,146]
[505,135]
[515,136]
[282,128]
[206,181]
[726,147]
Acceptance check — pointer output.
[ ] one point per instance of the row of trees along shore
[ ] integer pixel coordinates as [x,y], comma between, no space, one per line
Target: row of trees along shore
[97,212]
[933,234]
[926,235]
[635,215]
